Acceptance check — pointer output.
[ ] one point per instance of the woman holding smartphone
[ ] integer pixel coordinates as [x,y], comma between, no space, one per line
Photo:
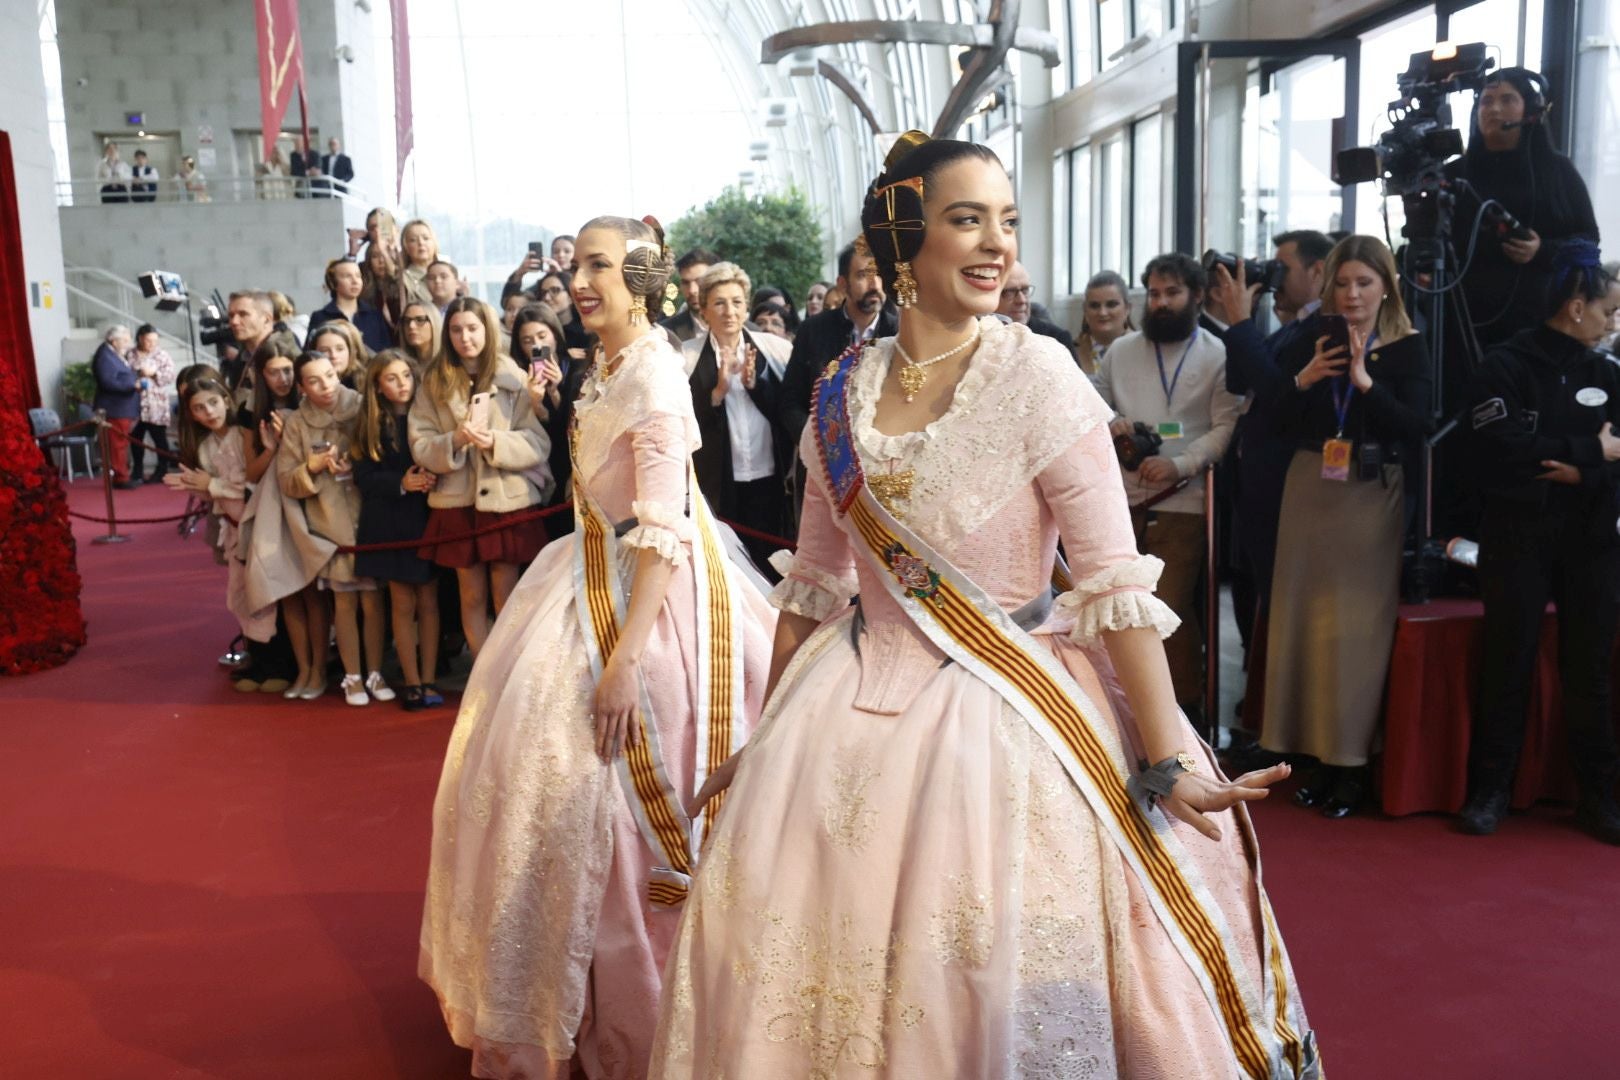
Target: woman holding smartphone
[1359,411]
[474,424]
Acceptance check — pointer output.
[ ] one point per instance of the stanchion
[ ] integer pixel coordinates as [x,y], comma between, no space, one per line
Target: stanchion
[104,431]
[1212,617]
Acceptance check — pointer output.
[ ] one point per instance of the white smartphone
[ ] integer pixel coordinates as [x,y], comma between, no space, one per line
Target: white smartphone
[479,410]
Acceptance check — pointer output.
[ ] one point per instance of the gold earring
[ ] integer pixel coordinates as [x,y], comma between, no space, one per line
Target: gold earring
[905,286]
[638,308]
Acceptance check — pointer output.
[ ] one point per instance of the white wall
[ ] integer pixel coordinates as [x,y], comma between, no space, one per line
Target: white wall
[22,117]
[258,245]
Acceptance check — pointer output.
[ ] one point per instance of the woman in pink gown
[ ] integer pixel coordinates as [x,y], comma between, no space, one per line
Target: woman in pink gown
[626,666]
[939,857]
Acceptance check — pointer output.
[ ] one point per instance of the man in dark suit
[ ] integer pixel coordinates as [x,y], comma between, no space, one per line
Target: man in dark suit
[335,165]
[686,324]
[305,167]
[1016,304]
[864,315]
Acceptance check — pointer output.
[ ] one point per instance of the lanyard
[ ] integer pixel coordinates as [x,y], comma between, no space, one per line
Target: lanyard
[1170,383]
[1341,405]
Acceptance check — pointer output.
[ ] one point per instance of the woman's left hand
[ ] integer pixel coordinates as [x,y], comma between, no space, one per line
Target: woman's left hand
[1359,377]
[1522,251]
[1196,794]
[616,707]
[484,440]
[188,479]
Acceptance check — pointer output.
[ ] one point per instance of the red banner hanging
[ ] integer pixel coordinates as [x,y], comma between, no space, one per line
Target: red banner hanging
[281,63]
[404,132]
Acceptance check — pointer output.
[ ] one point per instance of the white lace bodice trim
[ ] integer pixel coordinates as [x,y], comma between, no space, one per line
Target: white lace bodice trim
[662,529]
[806,591]
[1119,597]
[1021,403]
[650,380]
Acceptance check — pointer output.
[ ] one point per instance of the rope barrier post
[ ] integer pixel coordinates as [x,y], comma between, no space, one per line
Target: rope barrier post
[1212,617]
[104,434]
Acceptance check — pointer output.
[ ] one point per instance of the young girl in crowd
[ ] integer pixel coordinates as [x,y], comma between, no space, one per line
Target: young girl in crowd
[393,506]
[420,251]
[490,458]
[554,291]
[380,285]
[342,342]
[213,456]
[314,470]
[419,332]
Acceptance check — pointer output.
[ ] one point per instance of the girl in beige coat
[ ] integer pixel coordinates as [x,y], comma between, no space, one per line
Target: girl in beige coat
[490,458]
[313,468]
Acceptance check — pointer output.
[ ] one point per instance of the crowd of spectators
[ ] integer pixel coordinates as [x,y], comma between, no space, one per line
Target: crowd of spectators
[412,410]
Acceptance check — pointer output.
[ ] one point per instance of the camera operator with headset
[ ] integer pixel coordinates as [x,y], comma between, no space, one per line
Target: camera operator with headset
[1543,407]
[1510,158]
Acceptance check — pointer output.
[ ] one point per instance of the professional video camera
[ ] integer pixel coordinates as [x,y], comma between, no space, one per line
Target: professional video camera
[1410,157]
[216,328]
[1266,274]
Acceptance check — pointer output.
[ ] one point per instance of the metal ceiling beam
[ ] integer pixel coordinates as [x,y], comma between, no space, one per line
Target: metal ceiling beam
[851,91]
[1039,43]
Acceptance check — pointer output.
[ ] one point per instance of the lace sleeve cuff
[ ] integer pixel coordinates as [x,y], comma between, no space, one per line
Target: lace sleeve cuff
[660,529]
[1118,598]
[806,591]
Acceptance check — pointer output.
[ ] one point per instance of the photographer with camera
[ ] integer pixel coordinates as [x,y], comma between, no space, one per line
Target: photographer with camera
[1166,383]
[1542,412]
[1261,451]
[1356,412]
[1510,159]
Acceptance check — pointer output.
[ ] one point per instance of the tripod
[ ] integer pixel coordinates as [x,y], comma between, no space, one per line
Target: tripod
[1431,254]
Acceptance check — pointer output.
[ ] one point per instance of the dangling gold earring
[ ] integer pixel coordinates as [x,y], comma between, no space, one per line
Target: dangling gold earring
[905,286]
[638,309]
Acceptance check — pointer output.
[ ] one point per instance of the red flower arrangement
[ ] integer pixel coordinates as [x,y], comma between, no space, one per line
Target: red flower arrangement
[41,625]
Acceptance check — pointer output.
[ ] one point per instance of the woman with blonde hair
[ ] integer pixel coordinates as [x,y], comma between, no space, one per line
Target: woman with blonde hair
[419,250]
[419,332]
[342,342]
[1358,415]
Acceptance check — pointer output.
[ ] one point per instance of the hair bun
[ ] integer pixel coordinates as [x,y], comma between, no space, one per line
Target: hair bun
[904,145]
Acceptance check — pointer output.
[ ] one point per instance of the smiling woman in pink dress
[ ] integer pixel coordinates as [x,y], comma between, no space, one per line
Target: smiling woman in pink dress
[626,666]
[944,853]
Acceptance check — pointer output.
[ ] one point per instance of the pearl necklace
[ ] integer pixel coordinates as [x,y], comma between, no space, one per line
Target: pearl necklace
[915,373]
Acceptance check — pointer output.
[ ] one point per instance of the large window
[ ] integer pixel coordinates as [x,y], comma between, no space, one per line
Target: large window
[1113,207]
[1062,225]
[1073,24]
[1081,209]
[1147,210]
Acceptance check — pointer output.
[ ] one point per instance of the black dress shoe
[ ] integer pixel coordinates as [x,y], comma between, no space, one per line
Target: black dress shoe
[1349,793]
[1599,816]
[1483,812]
[1317,786]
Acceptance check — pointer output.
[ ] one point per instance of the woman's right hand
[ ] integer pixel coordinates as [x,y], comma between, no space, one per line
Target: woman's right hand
[717,781]
[1325,363]
[462,437]
[319,462]
[269,434]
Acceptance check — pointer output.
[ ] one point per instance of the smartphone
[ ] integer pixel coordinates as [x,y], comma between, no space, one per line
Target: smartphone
[479,410]
[541,354]
[1337,330]
[537,248]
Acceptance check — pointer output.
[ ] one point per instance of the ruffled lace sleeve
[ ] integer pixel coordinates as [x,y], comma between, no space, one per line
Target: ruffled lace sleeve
[1113,583]
[661,449]
[819,580]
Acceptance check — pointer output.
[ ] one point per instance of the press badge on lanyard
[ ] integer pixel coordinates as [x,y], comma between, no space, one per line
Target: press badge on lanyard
[1337,451]
[1171,429]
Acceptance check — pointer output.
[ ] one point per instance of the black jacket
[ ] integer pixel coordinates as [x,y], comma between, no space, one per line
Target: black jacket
[712,460]
[373,326]
[1525,407]
[822,338]
[1052,330]
[1394,413]
[681,324]
[556,425]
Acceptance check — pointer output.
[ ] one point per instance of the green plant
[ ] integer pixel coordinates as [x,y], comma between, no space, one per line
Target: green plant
[775,237]
[78,384]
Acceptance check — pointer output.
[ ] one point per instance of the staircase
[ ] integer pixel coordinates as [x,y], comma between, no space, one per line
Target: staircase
[98,298]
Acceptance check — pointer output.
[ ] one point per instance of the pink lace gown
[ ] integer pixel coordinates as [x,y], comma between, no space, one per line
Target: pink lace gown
[904,881]
[537,933]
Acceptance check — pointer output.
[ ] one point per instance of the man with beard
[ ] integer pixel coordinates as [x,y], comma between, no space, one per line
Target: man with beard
[691,266]
[1171,376]
[864,315]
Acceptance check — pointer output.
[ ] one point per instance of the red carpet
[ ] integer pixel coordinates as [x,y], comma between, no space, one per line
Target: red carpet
[200,883]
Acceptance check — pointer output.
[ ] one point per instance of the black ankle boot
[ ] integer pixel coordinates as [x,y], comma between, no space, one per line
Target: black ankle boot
[1317,786]
[1350,791]
[1600,816]
[1483,811]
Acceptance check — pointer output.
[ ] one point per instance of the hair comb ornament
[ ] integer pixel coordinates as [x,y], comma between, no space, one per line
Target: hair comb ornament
[900,217]
[904,145]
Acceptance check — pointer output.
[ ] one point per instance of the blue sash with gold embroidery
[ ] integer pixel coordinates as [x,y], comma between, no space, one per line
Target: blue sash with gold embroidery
[1262,1022]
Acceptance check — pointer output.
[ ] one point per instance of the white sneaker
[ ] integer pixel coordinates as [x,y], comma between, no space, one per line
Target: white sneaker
[378,688]
[354,692]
